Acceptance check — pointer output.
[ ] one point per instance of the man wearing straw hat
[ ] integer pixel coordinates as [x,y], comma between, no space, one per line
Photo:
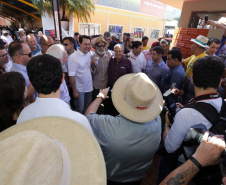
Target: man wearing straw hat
[99,65]
[198,48]
[129,140]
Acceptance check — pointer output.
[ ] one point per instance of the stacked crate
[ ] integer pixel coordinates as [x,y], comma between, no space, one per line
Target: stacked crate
[182,37]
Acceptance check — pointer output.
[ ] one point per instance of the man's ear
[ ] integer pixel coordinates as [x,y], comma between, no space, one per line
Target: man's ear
[62,78]
[220,82]
[192,79]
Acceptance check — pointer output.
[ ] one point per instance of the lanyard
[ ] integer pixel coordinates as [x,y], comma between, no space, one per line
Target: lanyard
[204,97]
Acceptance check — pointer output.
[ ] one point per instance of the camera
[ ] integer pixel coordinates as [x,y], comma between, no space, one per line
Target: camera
[195,135]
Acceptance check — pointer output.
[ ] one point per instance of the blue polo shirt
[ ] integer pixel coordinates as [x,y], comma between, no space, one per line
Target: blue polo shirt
[38,50]
[156,72]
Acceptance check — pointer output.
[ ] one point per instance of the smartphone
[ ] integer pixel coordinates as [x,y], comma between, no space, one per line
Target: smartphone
[206,18]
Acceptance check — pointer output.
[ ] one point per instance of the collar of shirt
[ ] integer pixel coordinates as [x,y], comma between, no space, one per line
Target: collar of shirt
[80,53]
[122,59]
[71,53]
[19,66]
[57,101]
[159,64]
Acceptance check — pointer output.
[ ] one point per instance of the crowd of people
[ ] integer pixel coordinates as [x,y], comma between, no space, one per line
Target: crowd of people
[117,90]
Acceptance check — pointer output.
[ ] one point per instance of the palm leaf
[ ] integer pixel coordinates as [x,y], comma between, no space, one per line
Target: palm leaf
[82,9]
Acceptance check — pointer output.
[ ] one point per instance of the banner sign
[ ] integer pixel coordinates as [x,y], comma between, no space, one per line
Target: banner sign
[148,7]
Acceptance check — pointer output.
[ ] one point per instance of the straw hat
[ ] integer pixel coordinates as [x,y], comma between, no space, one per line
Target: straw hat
[99,39]
[222,20]
[201,41]
[47,150]
[137,98]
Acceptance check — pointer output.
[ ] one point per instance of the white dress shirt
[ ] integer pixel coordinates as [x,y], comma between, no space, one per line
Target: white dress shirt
[79,67]
[51,107]
[138,62]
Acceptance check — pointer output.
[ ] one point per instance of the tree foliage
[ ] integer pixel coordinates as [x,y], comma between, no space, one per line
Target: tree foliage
[82,9]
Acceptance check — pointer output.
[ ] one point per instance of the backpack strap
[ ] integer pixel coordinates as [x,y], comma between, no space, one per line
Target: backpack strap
[207,110]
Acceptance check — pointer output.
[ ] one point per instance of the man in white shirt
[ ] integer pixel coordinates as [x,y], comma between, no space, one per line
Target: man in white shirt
[137,58]
[46,75]
[79,74]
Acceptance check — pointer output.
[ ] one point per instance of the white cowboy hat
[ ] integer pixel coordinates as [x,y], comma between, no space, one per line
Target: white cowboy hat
[201,41]
[50,151]
[137,98]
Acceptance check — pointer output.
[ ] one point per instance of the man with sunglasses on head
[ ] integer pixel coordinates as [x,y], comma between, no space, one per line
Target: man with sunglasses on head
[4,57]
[99,65]
[45,42]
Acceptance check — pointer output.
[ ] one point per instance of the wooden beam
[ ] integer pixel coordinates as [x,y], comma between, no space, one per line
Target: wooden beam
[1,15]
[6,14]
[4,9]
[20,10]
[27,3]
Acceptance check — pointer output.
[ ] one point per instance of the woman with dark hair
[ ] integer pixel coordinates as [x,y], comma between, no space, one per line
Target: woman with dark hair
[13,92]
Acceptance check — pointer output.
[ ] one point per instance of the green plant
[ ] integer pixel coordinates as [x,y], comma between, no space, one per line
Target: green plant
[82,9]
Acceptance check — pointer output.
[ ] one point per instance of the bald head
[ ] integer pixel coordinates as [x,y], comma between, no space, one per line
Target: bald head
[32,42]
[45,42]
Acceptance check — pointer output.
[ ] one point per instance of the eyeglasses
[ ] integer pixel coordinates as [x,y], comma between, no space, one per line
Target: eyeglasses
[65,44]
[29,54]
[48,44]
[57,40]
[5,55]
[99,45]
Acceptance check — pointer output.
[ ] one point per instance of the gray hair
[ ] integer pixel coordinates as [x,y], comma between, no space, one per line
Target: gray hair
[119,46]
[107,34]
[57,51]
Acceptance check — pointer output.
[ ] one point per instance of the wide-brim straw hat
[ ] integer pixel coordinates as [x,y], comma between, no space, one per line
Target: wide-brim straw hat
[86,158]
[99,39]
[201,41]
[222,20]
[137,98]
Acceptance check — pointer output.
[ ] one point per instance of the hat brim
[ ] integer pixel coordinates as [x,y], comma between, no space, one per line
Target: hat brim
[106,44]
[87,161]
[193,40]
[133,114]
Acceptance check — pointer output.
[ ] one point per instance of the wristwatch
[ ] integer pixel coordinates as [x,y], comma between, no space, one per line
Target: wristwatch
[100,96]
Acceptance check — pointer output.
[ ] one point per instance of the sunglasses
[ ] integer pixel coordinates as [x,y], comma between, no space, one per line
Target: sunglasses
[99,45]
[4,56]
[65,44]
[57,40]
[29,54]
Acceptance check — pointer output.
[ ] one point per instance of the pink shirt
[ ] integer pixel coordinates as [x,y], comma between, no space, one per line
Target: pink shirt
[147,55]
